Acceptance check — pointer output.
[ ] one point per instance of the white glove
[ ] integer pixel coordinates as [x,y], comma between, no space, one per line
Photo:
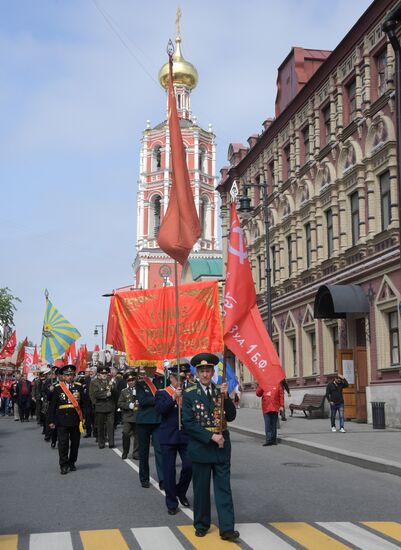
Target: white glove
[131,406]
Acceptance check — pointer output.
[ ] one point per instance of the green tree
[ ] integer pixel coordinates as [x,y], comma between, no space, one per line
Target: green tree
[7,307]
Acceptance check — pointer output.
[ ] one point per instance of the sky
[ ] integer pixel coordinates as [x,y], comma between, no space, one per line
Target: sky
[78,82]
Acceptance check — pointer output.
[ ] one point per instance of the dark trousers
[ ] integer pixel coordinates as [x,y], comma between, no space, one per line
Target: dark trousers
[24,406]
[171,487]
[201,474]
[271,426]
[130,430]
[89,419]
[68,444]
[105,419]
[145,432]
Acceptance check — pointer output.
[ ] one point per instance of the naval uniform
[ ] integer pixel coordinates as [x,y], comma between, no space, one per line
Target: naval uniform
[62,413]
[201,419]
[172,441]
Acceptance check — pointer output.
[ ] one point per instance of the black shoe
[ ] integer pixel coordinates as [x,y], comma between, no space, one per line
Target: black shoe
[64,470]
[275,442]
[184,501]
[53,445]
[145,484]
[267,444]
[46,438]
[161,485]
[200,533]
[172,511]
[230,536]
[73,468]
[101,446]
[87,435]
[111,446]
[135,457]
[124,456]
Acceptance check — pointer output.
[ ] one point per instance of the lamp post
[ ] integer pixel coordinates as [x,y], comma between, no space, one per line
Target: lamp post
[245,206]
[96,332]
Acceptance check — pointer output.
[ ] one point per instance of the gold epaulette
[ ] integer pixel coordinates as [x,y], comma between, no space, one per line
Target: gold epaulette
[191,388]
[78,383]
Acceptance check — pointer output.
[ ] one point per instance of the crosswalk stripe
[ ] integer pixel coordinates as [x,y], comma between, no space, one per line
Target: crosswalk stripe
[211,540]
[357,536]
[106,539]
[8,542]
[150,538]
[389,528]
[308,536]
[55,541]
[259,538]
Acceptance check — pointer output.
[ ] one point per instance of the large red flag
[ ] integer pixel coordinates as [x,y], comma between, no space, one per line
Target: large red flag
[114,335]
[21,353]
[244,332]
[9,347]
[180,228]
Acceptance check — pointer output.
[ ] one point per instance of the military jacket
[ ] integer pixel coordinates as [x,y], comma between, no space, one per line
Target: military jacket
[169,433]
[128,396]
[61,411]
[147,413]
[99,390]
[201,419]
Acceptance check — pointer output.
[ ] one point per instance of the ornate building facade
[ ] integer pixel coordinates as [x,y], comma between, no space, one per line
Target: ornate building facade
[328,162]
[152,267]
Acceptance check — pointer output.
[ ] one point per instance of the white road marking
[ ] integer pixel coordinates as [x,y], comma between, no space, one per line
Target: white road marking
[259,537]
[359,537]
[153,482]
[55,541]
[150,538]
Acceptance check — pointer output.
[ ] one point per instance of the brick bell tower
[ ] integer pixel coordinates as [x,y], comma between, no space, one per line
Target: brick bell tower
[152,267]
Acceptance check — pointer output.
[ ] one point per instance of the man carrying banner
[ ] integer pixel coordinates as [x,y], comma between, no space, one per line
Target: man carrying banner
[173,440]
[209,447]
[65,414]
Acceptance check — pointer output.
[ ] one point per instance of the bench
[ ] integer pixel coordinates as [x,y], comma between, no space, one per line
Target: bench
[310,402]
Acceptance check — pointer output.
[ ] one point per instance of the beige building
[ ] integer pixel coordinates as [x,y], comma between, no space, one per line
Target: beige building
[328,161]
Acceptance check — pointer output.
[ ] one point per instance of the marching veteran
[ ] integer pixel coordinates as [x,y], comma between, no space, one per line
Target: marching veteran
[209,447]
[128,403]
[65,414]
[103,392]
[173,440]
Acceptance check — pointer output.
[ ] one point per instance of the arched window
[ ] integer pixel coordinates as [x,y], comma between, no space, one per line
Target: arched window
[154,216]
[157,158]
[179,102]
[202,160]
[203,212]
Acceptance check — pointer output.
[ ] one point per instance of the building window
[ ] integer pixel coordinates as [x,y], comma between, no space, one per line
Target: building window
[312,337]
[336,343]
[287,166]
[306,143]
[259,260]
[274,266]
[157,158]
[351,92]
[381,64]
[203,211]
[289,255]
[326,125]
[294,356]
[354,198]
[394,338]
[308,242]
[385,200]
[154,218]
[271,176]
[202,160]
[330,234]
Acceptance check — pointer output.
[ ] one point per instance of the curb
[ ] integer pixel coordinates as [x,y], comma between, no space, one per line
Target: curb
[349,457]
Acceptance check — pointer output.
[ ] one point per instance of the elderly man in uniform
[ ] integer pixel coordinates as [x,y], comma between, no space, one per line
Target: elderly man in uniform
[128,403]
[104,396]
[209,447]
[65,414]
[173,440]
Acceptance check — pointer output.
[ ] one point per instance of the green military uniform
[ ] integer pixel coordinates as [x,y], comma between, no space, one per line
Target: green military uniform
[128,403]
[103,395]
[201,419]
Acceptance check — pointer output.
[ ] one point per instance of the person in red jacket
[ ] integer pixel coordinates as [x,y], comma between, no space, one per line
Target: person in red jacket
[272,404]
[6,395]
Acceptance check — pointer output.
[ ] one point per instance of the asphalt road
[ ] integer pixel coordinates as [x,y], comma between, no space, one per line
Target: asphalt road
[270,484]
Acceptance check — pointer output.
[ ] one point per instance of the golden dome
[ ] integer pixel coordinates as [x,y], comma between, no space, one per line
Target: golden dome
[184,73]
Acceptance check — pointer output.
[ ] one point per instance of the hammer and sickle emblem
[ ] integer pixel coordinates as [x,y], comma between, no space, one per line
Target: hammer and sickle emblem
[242,252]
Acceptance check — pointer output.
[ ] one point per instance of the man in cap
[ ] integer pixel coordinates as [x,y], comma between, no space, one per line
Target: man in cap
[173,440]
[128,403]
[148,423]
[103,393]
[209,448]
[65,414]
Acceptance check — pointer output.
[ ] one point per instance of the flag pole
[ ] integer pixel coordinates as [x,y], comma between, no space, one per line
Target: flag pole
[177,338]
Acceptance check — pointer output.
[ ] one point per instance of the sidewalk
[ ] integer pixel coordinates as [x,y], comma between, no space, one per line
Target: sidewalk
[362,445]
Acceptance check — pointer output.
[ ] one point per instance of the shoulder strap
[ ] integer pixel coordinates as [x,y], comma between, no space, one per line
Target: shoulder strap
[75,403]
[150,385]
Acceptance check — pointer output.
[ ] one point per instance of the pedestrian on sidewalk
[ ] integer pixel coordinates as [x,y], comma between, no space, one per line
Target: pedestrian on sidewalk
[272,404]
[334,394]
[287,389]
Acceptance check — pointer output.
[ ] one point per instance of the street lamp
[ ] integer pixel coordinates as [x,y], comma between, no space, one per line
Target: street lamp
[96,333]
[245,206]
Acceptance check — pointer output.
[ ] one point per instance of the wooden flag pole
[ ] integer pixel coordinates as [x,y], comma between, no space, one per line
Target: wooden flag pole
[223,379]
[177,339]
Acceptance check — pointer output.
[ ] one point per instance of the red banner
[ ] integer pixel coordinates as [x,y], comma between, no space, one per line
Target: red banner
[244,332]
[9,347]
[147,321]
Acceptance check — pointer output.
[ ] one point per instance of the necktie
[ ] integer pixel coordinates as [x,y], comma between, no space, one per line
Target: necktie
[209,395]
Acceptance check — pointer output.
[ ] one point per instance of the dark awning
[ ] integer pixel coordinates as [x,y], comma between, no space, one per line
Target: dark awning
[335,301]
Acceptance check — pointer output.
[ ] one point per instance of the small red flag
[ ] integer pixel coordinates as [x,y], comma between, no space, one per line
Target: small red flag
[96,348]
[21,353]
[9,347]
[244,332]
[180,228]
[35,360]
